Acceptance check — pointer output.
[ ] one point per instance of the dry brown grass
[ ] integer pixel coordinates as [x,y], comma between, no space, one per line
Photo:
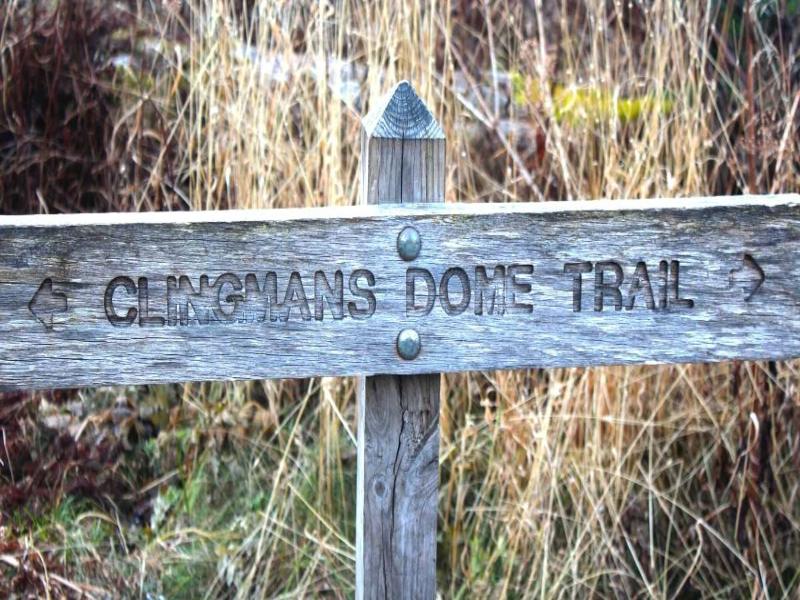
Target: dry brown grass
[673,482]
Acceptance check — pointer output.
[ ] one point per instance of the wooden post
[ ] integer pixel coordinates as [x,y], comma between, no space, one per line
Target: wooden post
[402,160]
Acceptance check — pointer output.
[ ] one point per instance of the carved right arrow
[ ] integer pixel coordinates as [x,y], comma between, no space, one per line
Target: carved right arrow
[46,303]
[750,276]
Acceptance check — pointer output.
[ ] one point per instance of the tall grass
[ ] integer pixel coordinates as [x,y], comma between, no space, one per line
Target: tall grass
[669,482]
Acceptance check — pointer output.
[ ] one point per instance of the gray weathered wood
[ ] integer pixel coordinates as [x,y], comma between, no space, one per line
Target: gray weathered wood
[76,345]
[402,161]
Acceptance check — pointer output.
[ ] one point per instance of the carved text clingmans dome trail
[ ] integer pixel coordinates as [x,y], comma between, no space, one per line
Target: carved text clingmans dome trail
[323,294]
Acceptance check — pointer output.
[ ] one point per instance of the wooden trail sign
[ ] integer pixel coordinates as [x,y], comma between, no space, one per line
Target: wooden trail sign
[400,293]
[142,298]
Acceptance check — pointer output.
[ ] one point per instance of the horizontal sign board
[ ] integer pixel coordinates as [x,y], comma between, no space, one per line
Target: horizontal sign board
[162,297]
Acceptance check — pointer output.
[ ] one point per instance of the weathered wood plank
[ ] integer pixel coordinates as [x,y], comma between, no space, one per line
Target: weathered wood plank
[402,160]
[721,246]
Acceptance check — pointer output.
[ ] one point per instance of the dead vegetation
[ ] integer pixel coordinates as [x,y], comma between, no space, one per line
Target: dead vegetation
[673,482]
[79,127]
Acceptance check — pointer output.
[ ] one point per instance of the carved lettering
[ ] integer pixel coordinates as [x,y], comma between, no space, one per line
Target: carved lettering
[360,292]
[577,269]
[181,296]
[514,287]
[604,288]
[412,276]
[333,296]
[674,284]
[227,301]
[231,300]
[660,293]
[295,297]
[506,290]
[663,273]
[113,317]
[145,319]
[444,291]
[640,282]
[490,291]
[259,300]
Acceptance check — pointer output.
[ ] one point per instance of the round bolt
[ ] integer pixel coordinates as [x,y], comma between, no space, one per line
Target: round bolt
[409,243]
[408,344]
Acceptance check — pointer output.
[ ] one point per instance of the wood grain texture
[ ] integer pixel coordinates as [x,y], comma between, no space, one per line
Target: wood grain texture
[402,161]
[709,238]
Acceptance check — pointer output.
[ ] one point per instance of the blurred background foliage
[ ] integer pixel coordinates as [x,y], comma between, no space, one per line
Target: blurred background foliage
[673,482]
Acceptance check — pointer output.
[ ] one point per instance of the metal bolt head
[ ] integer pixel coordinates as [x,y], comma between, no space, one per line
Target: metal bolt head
[408,344]
[409,243]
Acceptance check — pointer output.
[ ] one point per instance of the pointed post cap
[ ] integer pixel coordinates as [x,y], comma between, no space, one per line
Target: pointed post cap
[402,115]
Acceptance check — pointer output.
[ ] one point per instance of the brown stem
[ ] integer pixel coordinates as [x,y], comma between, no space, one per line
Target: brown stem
[750,112]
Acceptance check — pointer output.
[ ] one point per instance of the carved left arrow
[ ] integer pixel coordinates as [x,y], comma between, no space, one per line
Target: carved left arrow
[46,303]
